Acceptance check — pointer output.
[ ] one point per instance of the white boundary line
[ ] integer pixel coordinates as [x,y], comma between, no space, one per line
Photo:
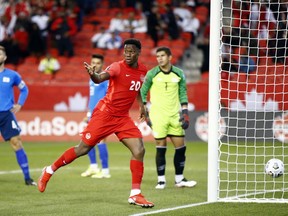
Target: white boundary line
[18,171]
[171,209]
[69,168]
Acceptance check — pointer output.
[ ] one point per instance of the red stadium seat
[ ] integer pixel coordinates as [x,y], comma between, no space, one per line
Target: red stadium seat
[31,60]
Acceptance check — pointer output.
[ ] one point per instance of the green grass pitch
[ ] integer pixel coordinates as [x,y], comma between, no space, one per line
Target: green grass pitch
[70,194]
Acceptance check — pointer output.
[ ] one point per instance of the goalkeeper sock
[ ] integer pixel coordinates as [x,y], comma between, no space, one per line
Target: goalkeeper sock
[23,162]
[92,156]
[67,157]
[179,160]
[161,160]
[103,153]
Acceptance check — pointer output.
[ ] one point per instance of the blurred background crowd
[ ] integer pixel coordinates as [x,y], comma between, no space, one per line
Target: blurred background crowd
[70,31]
[253,33]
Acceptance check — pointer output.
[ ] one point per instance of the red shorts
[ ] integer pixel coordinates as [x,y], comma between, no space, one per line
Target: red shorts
[102,125]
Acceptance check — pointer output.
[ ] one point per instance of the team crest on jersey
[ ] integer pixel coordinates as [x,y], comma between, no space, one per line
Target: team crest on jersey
[88,136]
[6,79]
[142,78]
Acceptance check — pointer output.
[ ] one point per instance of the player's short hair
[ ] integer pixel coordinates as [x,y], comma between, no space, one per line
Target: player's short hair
[2,48]
[133,41]
[164,49]
[99,56]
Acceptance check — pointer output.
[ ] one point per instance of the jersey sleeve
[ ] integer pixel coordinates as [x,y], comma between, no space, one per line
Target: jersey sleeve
[113,69]
[146,86]
[183,90]
[23,90]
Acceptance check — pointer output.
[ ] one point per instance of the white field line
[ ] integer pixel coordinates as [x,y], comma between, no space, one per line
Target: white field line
[171,209]
[69,168]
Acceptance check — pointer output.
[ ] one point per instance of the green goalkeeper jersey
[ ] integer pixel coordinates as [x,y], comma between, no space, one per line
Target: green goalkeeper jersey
[167,90]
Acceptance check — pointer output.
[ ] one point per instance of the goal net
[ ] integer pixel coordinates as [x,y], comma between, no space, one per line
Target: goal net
[251,97]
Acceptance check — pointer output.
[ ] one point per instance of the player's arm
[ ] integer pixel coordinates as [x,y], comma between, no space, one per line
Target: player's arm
[184,103]
[22,96]
[96,77]
[183,91]
[146,86]
[143,115]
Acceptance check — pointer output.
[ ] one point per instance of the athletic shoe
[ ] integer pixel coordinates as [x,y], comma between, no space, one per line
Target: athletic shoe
[90,171]
[30,182]
[185,183]
[140,201]
[43,180]
[161,185]
[100,175]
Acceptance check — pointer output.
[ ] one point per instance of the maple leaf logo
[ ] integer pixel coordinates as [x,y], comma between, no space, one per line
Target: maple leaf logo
[76,103]
[254,101]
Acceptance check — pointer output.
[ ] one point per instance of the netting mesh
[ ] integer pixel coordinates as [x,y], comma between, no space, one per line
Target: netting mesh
[253,99]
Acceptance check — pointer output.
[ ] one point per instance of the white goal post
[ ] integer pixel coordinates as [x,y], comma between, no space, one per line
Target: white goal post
[248,91]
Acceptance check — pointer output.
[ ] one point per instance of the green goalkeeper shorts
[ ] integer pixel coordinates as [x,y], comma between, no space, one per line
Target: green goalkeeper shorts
[163,125]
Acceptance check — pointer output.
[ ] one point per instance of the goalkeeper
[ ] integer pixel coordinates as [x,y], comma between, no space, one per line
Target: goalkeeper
[167,86]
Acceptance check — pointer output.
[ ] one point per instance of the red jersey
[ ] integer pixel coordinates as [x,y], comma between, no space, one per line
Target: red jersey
[124,85]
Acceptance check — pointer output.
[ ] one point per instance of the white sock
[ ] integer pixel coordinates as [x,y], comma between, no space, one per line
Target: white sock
[161,178]
[135,192]
[94,166]
[49,170]
[179,178]
[105,171]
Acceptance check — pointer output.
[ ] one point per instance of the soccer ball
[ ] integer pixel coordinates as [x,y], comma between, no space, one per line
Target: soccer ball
[274,168]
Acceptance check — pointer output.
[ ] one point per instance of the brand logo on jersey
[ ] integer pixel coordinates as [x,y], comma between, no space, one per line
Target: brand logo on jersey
[88,136]
[175,80]
[107,68]
[159,79]
[6,79]
[127,75]
[280,128]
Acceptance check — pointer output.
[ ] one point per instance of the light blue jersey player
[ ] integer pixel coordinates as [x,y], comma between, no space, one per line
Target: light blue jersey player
[96,93]
[9,129]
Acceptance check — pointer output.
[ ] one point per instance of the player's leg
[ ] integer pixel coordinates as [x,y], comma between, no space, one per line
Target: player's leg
[22,159]
[177,134]
[131,137]
[10,132]
[160,123]
[103,154]
[93,166]
[66,158]
[179,162]
[135,145]
[161,147]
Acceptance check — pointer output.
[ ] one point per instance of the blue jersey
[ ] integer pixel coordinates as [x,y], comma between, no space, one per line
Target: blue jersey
[9,79]
[97,92]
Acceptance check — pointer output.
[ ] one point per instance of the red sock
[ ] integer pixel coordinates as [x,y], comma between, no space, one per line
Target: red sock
[67,157]
[137,170]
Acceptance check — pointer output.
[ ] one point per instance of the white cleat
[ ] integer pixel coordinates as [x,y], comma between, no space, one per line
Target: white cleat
[185,183]
[100,175]
[90,171]
[161,185]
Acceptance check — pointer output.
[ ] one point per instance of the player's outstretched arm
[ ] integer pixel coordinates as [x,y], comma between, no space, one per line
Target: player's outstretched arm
[96,77]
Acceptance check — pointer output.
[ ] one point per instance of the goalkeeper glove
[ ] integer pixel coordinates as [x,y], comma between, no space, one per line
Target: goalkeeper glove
[184,119]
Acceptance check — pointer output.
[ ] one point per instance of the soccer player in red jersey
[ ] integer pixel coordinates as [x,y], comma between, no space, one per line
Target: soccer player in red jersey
[111,115]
